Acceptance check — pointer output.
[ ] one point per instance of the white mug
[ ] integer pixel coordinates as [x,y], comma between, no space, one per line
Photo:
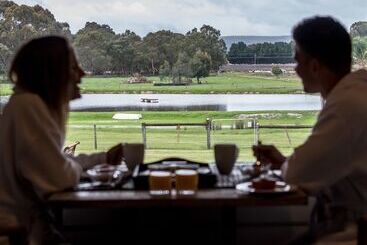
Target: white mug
[225,157]
[133,155]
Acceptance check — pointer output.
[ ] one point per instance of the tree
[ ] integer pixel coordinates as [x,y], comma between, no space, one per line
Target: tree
[200,65]
[181,68]
[122,51]
[359,50]
[19,23]
[5,54]
[207,40]
[358,29]
[141,62]
[160,46]
[92,43]
[164,70]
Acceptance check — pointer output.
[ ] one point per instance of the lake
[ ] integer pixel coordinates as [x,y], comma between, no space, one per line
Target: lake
[195,102]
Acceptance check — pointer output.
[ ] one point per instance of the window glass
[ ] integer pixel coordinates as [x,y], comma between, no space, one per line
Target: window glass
[182,76]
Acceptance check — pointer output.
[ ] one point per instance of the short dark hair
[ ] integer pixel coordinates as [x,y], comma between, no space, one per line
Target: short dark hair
[324,38]
[41,66]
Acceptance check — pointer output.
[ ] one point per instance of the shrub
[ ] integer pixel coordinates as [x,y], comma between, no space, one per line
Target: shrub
[276,71]
[239,124]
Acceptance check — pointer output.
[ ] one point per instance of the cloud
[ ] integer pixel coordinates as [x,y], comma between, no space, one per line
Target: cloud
[232,17]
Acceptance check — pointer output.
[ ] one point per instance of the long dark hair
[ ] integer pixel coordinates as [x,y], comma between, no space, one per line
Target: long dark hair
[42,66]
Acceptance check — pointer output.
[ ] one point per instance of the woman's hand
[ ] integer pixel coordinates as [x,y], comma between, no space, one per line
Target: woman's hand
[269,154]
[115,154]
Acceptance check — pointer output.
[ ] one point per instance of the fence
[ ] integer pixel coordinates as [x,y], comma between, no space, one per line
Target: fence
[206,125]
[274,134]
[222,125]
[189,140]
[101,137]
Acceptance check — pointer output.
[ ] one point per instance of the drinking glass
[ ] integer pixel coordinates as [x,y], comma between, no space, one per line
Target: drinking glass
[133,155]
[160,183]
[186,181]
[225,157]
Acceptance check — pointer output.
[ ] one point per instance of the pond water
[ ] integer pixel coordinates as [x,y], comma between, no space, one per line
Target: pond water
[195,102]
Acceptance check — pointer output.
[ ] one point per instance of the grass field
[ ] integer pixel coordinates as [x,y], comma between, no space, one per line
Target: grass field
[5,88]
[222,83]
[187,142]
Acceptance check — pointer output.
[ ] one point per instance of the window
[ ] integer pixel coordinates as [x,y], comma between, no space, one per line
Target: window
[195,73]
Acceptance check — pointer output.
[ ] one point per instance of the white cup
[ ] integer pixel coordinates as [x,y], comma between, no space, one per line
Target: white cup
[225,157]
[133,155]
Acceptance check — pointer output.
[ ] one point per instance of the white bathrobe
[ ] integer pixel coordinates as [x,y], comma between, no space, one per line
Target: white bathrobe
[334,157]
[32,164]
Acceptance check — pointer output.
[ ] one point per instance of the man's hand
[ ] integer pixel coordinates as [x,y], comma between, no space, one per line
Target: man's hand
[115,154]
[269,154]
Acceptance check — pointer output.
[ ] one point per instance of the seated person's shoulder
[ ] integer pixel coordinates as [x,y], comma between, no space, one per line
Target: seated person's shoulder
[26,101]
[24,105]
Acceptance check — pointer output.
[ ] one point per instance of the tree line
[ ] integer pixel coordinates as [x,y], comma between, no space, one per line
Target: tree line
[261,53]
[101,50]
[162,53]
[21,23]
[281,52]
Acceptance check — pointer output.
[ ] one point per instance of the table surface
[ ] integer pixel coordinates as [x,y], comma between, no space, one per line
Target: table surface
[215,197]
[213,209]
[207,197]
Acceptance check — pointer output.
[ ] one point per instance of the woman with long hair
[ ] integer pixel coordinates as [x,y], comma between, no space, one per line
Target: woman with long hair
[46,75]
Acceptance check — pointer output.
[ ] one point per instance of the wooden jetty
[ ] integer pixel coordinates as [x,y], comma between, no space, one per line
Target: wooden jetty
[148,100]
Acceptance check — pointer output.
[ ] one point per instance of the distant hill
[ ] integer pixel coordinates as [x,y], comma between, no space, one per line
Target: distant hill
[254,39]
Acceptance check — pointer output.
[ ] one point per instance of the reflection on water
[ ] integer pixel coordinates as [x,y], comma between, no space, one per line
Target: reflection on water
[157,108]
[194,102]
[227,102]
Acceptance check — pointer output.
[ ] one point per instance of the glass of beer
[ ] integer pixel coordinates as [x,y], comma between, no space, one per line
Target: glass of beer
[186,181]
[160,183]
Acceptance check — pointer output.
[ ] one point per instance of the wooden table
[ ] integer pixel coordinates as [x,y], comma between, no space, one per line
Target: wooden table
[220,201]
[209,197]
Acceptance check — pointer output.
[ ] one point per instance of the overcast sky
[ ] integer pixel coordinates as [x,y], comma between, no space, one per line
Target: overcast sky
[231,17]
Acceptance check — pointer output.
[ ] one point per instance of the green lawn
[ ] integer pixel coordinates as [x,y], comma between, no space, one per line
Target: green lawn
[264,117]
[186,142]
[5,88]
[222,83]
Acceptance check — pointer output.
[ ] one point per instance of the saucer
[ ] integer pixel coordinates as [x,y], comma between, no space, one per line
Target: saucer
[280,188]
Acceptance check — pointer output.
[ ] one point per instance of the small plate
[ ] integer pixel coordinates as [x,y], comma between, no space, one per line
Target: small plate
[105,174]
[280,188]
